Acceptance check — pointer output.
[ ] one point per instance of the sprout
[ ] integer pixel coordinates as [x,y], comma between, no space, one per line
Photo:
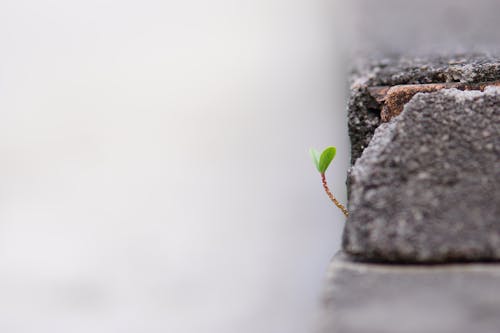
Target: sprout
[322,162]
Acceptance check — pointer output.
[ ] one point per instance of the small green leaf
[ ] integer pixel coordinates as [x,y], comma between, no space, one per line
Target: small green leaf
[315,157]
[326,158]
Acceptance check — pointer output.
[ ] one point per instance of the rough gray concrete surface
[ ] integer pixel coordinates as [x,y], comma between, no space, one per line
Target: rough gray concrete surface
[427,187]
[364,111]
[393,70]
[372,298]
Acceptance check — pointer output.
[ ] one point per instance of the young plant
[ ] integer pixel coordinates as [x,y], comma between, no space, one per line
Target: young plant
[322,162]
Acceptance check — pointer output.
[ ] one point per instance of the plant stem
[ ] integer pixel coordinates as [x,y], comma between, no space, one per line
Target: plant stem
[330,195]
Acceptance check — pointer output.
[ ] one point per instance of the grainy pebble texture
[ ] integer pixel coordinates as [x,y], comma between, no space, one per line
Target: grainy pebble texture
[373,298]
[426,189]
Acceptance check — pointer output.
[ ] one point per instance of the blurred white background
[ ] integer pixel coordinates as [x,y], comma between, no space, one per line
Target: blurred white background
[154,172]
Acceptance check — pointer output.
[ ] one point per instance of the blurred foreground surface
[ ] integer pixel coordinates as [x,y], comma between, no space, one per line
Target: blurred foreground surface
[377,298]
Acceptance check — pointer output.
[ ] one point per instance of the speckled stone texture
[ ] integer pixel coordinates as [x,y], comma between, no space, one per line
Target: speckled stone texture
[374,298]
[364,111]
[427,187]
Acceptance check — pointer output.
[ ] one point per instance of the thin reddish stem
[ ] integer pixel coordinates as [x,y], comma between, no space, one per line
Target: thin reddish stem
[332,198]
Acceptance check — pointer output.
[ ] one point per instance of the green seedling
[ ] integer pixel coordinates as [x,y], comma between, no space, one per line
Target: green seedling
[322,162]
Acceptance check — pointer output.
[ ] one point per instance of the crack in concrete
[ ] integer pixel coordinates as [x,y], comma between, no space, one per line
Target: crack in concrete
[394,98]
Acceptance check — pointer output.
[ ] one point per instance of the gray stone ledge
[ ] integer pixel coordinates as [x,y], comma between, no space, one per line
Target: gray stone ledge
[375,298]
[426,188]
